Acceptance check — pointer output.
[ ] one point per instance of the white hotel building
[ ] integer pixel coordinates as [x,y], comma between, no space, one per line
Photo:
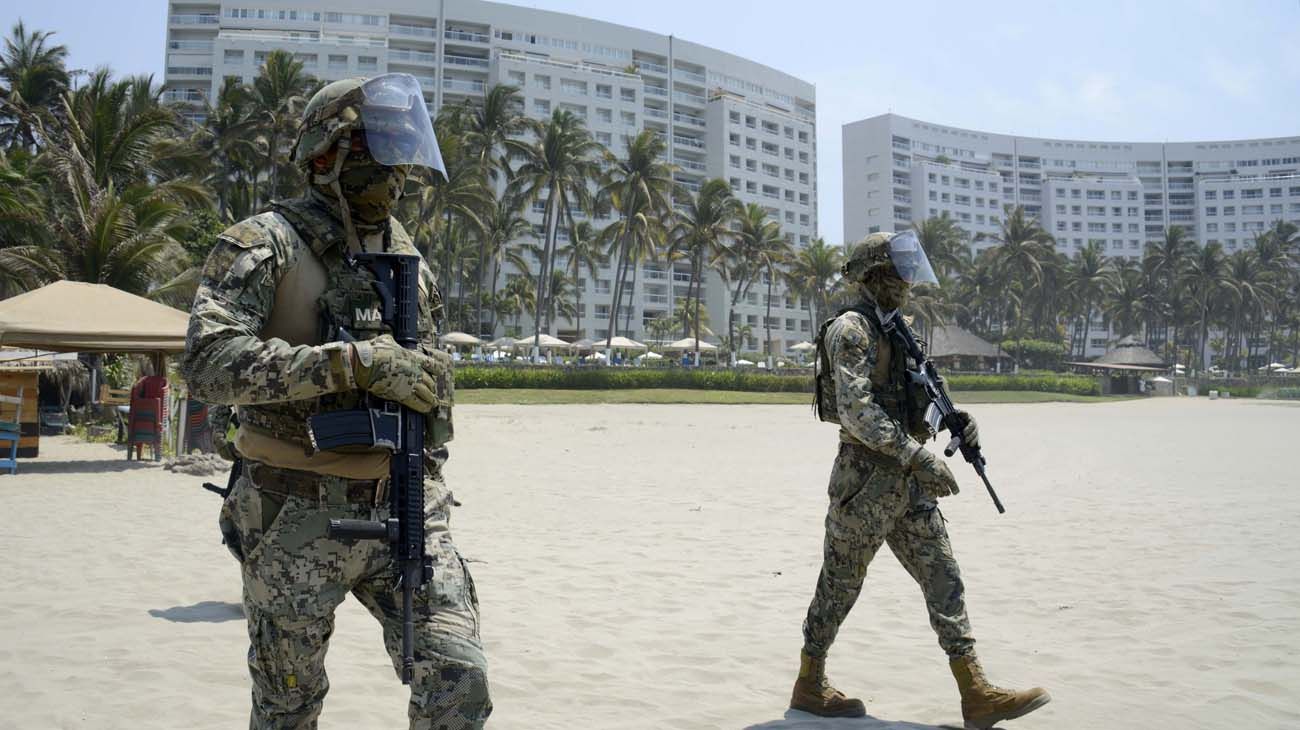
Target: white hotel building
[1122,194]
[724,116]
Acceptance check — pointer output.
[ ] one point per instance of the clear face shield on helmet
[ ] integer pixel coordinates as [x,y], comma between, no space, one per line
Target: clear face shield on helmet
[397,127]
[909,259]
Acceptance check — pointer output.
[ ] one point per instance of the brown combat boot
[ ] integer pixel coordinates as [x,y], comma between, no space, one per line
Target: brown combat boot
[814,694]
[983,704]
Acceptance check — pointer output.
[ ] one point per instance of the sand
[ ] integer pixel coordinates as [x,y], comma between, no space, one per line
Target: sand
[649,567]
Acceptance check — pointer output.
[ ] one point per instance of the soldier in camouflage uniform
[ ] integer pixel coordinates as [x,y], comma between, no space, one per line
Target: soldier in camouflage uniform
[884,486]
[284,327]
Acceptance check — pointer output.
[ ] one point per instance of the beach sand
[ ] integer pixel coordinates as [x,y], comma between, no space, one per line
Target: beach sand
[649,567]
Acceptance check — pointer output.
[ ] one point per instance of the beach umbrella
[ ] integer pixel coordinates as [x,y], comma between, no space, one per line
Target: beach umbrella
[802,347]
[459,338]
[623,343]
[744,362]
[544,342]
[584,345]
[688,343]
[1276,366]
[653,356]
[502,343]
[597,356]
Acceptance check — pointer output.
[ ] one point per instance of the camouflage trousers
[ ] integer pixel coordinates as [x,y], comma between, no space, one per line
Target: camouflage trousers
[294,576]
[872,504]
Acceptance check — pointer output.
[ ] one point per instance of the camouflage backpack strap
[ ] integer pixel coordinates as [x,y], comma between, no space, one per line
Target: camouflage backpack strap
[316,225]
[824,404]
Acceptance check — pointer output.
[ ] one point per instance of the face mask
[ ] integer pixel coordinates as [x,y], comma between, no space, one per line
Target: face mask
[889,291]
[372,190]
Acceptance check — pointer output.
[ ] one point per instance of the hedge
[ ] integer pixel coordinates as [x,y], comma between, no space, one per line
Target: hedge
[599,378]
[1289,393]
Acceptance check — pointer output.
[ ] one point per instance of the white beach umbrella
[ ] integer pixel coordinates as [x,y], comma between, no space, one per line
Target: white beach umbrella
[744,362]
[459,338]
[502,343]
[653,356]
[688,343]
[802,347]
[544,342]
[1276,366]
[621,343]
[584,345]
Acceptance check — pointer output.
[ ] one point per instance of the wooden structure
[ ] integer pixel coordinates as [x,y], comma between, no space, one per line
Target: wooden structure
[958,349]
[26,379]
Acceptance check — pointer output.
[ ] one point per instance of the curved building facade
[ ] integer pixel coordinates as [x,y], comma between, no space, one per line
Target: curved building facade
[1121,194]
[722,115]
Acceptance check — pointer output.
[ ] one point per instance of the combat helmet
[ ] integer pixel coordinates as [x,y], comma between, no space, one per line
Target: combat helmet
[868,254]
[332,114]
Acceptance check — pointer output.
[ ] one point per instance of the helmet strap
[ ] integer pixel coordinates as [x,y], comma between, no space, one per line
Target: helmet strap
[332,180]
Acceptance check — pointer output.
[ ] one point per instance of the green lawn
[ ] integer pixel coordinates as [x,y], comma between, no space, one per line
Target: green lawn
[523,396]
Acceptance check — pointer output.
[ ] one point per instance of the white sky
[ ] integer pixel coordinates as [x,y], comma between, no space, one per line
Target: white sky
[1104,70]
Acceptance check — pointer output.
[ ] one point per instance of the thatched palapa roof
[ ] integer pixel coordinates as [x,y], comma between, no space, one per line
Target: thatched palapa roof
[1129,351]
[953,341]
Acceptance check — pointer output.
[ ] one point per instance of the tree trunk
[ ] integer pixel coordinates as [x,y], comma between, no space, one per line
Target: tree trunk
[631,297]
[496,272]
[699,287]
[539,305]
[767,318]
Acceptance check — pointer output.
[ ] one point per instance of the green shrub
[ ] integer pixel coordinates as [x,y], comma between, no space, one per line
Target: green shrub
[1071,384]
[599,378]
[1288,393]
[1039,354]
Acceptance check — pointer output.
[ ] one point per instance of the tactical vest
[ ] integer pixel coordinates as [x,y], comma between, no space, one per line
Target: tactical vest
[350,302]
[891,389]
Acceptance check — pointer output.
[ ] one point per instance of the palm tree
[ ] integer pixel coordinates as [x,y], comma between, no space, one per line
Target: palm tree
[1252,295]
[769,257]
[583,254]
[702,231]
[639,186]
[754,233]
[279,92]
[463,194]
[1086,282]
[491,124]
[35,79]
[812,272]
[504,223]
[1206,280]
[227,138]
[126,239]
[518,296]
[560,297]
[1022,246]
[946,244]
[558,167]
[1122,291]
[1169,258]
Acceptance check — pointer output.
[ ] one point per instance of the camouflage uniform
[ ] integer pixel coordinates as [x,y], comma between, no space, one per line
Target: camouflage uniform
[874,499]
[294,575]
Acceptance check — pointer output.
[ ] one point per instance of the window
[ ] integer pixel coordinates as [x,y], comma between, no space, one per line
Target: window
[734,139]
[627,94]
[364,63]
[628,118]
[541,82]
[603,138]
[542,107]
[1229,194]
[604,115]
[338,61]
[516,78]
[1116,195]
[234,56]
[577,88]
[1229,210]
[1096,195]
[1211,194]
[734,160]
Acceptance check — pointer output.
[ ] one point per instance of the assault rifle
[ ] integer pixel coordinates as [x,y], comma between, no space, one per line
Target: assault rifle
[398,428]
[928,378]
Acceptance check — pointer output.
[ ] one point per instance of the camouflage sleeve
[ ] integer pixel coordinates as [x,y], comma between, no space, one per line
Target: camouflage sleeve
[853,353]
[226,361]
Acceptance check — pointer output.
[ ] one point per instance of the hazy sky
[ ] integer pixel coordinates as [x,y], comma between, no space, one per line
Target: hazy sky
[1104,69]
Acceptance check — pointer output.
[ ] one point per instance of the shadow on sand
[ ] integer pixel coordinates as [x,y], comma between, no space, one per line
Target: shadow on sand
[92,466]
[202,612]
[796,720]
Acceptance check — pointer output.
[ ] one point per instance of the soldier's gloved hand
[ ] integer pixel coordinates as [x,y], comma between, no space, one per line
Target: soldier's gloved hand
[970,433]
[394,373]
[932,475]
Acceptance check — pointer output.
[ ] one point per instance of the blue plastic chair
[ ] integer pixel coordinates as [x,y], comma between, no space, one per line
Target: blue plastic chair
[11,431]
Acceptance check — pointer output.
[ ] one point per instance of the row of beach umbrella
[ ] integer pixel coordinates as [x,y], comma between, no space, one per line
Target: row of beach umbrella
[547,342]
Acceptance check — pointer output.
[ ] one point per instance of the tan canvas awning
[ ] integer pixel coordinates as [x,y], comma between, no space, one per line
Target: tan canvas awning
[72,316]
